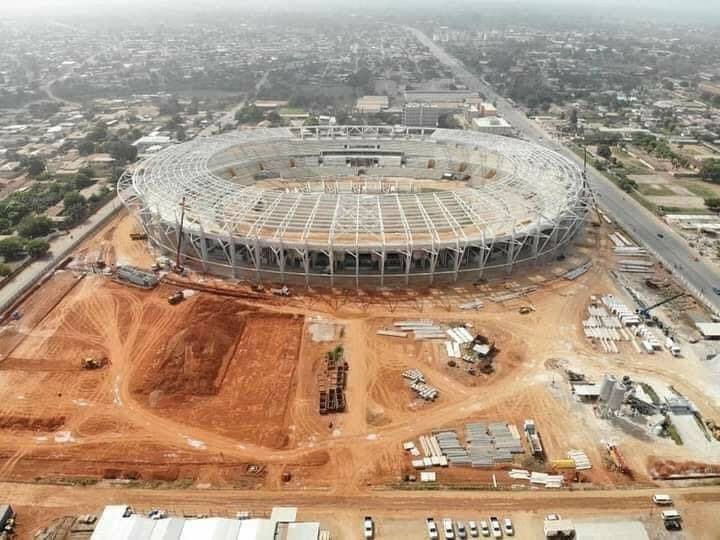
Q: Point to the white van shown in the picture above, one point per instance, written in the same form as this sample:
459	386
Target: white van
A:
661	499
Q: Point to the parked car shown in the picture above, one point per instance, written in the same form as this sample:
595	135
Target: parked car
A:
484	528
461	531
369	528
448	529
473	529
508	527
495	527
661	499
431	529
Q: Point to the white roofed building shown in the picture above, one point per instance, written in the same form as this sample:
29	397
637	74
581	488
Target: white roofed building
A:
118	522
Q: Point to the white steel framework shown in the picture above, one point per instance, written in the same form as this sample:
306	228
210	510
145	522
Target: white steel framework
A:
358	205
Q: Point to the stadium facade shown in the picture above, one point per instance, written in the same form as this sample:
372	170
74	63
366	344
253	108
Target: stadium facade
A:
357	206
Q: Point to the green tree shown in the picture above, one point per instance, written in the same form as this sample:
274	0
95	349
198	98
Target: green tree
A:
604	151
37	248
35	166
99	133
5	270
12	248
710	170
249	114
86	147
75	207
34	226
122	152
713	203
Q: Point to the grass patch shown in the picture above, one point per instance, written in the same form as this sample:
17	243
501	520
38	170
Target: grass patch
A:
651	190
700	190
702	426
673	433
650	391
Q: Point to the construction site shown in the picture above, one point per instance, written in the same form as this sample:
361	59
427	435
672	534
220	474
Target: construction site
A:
119	372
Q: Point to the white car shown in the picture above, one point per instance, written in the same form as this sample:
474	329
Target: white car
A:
369	528
662	500
449	529
431	529
484	528
461	531
508	527
495	527
473	529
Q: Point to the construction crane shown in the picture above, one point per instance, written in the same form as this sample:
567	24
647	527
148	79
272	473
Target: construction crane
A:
646	311
178	267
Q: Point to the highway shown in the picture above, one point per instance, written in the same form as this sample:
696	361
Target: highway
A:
645	227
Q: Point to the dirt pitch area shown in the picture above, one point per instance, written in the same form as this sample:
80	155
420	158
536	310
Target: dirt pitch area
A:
221	390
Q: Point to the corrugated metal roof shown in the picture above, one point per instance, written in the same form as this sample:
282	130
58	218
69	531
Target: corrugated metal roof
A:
112	525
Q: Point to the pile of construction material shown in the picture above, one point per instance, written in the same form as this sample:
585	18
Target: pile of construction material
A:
450	447
522	291
432	453
577	272
605	327
332	382
492	444
537	478
422	329
582	462
417	383
472	305
459	338
410	447
627	316
648	340
626	248
533	438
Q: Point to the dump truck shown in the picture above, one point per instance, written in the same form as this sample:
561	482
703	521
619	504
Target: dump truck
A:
176	298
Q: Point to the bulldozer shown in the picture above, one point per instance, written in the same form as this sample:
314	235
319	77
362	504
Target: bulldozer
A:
93	363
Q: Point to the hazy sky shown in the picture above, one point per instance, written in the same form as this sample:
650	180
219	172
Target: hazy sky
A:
75	7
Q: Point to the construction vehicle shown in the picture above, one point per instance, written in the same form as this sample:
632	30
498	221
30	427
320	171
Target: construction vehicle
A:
526	310
176	298
282	291
617	458
645	312
93	363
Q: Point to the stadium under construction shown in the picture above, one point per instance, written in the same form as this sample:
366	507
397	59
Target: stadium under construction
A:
358	206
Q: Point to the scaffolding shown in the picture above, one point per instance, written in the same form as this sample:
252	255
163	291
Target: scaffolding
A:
343	227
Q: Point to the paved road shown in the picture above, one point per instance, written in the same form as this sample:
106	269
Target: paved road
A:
58	249
644	226
229	117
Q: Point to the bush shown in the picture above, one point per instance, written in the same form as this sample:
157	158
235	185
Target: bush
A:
37	248
5	270
604	151
713	203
